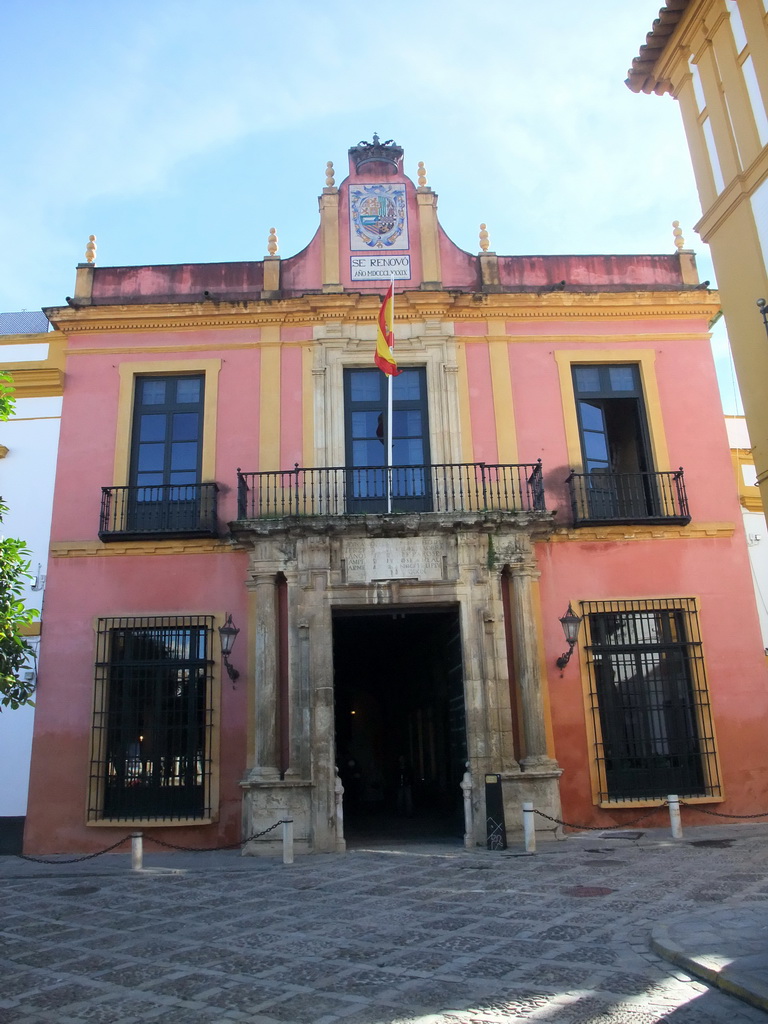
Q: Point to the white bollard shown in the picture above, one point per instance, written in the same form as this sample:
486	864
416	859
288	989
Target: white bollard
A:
338	792
137	851
674	816
288	841
466	789
529	827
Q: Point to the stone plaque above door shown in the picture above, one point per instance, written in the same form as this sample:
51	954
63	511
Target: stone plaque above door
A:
394	558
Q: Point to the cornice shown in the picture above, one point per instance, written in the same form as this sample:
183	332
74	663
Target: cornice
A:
97	549
538	526
35	381
739	189
318	309
36	378
405	344
752	503
599	534
41	338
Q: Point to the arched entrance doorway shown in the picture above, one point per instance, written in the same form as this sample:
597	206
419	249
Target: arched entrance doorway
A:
400	724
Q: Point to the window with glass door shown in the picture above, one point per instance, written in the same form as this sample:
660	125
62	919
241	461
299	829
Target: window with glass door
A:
166	454
618	478
369	482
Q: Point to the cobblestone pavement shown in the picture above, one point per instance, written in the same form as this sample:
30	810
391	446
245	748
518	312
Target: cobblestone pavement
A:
403	936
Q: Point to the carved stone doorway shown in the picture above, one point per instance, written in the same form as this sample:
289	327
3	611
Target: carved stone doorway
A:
400	723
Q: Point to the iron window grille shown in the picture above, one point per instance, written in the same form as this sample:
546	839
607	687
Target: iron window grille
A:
152	719
650	711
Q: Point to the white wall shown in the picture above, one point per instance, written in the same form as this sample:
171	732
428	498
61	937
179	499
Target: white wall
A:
26	485
754	525
757	541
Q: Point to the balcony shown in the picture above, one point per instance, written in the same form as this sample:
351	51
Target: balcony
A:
363	490
601	497
170	510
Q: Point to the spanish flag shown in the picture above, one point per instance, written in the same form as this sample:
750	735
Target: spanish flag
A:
385	338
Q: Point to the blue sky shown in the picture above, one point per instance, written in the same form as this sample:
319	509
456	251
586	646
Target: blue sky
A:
183	131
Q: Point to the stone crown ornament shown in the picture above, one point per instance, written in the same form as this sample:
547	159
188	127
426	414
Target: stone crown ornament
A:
376	152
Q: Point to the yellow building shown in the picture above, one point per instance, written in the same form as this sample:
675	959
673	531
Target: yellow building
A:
712	56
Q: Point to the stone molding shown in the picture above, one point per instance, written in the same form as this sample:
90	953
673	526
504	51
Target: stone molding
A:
411	305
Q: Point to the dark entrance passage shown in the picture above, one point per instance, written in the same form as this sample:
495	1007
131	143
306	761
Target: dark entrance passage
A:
400	724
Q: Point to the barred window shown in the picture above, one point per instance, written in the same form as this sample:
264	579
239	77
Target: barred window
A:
152	724
651	716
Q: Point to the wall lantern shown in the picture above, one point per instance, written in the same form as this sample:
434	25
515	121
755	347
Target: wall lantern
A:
228	634
571	623
762	305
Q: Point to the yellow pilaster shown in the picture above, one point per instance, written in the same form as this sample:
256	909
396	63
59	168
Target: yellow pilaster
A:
308	406
329	239
465	420
702	168
735	88
429	238
502	401
271	276
727	154
688	269
269	399
489	271
84	283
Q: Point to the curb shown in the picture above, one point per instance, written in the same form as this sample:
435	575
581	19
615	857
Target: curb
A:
729	974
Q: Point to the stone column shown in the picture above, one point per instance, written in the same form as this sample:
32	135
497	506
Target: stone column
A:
301	667
265	767
527	668
500	740
317	614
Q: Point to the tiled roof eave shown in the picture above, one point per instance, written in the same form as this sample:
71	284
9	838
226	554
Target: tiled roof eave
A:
640	76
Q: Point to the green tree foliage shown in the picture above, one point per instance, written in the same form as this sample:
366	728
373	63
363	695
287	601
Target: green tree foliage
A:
14	572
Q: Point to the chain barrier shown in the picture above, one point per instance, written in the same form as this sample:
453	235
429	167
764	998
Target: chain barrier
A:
73	860
718	814
153	839
644	817
602	828
214	849
258	835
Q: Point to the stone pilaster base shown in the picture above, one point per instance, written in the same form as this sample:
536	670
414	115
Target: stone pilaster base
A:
264	803
541	787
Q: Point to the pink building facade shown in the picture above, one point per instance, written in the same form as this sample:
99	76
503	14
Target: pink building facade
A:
557	441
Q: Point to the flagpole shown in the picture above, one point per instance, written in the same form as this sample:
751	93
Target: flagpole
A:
389	408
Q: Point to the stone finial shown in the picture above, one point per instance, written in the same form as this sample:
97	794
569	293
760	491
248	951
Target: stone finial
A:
485	242
330	181
272	242
90	249
422	174
677	232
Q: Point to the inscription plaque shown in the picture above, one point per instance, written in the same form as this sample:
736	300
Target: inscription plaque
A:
394	558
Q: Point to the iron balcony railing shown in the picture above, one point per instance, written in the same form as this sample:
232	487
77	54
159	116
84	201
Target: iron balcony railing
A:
603	497
361	490
169	510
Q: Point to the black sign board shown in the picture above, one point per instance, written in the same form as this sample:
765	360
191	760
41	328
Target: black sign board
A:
495	828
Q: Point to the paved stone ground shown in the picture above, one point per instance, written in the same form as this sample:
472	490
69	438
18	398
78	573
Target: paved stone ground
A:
430	935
